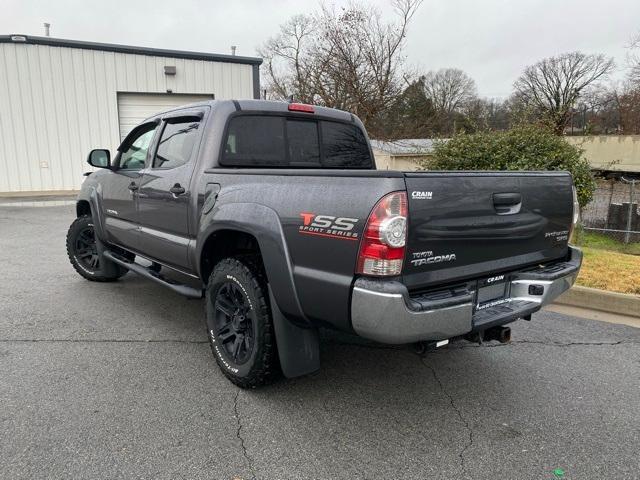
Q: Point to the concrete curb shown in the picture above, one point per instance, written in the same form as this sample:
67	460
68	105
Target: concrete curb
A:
592	298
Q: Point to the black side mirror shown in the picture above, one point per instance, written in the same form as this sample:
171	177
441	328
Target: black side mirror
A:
99	158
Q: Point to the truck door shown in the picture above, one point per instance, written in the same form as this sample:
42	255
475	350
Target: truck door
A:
165	191
120	187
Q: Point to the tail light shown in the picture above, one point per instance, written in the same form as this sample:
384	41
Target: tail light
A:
385	235
576	213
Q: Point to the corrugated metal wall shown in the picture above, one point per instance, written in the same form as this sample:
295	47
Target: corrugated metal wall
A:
58	103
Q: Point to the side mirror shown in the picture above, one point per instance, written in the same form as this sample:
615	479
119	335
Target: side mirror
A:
99	158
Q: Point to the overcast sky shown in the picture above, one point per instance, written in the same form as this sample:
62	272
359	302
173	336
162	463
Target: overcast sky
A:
492	40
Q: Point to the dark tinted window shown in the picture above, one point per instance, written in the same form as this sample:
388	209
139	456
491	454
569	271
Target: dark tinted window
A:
177	144
344	146
259	141
304	146
255	141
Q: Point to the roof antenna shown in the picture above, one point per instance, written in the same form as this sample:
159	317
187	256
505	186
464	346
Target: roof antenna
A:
291	100
47	26
233	50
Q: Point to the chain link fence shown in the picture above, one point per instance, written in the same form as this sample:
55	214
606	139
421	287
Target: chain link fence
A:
614	210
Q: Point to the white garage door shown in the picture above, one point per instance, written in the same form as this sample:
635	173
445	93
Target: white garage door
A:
133	108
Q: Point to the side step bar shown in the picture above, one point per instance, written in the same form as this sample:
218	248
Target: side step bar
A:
153	275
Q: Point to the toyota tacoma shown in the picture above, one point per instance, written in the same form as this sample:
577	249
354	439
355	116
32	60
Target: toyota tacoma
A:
275	213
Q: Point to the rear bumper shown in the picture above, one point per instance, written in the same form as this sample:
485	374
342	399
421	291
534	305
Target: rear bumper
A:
385	312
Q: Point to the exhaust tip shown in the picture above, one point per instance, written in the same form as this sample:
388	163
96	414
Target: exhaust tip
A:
500	334
505	335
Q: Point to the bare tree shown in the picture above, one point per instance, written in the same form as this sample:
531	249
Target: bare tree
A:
451	92
347	58
629	107
551	87
634	59
481	114
287	60
449	89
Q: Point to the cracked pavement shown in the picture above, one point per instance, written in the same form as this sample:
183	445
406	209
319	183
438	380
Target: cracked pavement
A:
117	381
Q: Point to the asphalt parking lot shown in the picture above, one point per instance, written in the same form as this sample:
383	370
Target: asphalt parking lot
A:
117	381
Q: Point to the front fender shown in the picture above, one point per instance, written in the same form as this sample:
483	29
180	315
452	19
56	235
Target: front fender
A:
264	224
93	194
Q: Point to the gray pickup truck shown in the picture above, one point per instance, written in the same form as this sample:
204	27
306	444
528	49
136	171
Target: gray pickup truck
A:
276	215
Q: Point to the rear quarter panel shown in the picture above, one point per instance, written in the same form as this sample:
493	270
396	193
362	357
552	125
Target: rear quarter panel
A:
323	259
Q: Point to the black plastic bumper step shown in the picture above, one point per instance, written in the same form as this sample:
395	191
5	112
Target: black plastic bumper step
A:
503	313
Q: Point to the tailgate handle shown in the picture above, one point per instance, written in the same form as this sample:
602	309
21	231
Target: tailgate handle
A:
507	203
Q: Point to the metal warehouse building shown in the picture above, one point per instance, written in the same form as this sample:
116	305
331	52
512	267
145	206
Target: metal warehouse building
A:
61	98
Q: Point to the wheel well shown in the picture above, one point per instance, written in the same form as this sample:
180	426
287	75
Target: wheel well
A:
223	244
83	208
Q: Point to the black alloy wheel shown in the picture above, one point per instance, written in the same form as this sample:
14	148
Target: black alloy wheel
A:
239	321
234	322
86	257
86	250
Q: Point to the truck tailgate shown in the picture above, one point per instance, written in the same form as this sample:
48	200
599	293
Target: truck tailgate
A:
465	225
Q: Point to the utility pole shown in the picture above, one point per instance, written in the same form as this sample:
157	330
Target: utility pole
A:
632	187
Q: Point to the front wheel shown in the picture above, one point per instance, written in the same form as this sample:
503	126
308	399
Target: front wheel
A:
84	255
239	323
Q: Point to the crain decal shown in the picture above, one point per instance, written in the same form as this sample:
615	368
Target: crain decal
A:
328	226
417	195
495	279
428	258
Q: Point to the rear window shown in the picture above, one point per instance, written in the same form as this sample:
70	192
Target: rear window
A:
344	146
255	142
278	141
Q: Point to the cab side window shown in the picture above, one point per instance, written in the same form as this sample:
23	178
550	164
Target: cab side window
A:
135	156
177	144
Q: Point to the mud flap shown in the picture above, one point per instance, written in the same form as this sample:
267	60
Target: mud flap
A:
110	269
298	348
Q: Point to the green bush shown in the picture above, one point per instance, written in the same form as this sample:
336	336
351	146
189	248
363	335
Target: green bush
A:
521	148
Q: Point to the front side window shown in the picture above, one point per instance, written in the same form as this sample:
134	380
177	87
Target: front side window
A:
177	144
135	156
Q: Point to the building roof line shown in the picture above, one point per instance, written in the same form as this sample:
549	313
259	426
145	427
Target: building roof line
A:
112	47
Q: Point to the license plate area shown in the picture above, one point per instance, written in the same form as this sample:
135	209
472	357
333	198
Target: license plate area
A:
491	290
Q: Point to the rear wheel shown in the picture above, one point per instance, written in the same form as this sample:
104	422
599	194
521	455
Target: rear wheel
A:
239	323
84	255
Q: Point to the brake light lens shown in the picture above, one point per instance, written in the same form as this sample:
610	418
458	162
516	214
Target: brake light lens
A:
301	107
576	214
385	235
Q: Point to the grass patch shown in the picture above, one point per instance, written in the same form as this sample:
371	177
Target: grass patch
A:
609	270
603	242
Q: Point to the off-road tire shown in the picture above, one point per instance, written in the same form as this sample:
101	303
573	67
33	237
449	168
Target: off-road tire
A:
246	277
104	270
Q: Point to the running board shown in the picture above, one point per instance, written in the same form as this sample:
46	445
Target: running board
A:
155	276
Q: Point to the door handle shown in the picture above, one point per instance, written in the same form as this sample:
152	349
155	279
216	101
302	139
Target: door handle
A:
133	186
507	203
177	189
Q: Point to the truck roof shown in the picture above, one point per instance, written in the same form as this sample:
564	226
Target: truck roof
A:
267	106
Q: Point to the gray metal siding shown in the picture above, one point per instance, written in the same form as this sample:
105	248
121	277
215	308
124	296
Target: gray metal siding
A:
133	108
57	103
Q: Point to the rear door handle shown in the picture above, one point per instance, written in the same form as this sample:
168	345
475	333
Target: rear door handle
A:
506	198
177	189
507	203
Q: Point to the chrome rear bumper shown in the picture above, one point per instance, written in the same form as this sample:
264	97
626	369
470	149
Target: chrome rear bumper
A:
384	311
